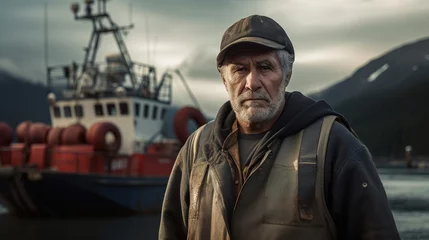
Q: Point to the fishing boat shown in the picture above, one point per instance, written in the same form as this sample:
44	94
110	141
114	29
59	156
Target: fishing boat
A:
113	138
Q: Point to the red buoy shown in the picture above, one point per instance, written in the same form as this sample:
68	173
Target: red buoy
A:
182	118
38	133
54	136
99	134
22	131
6	134
74	134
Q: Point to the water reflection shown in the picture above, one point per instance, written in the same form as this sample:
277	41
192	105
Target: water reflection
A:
82	229
408	193
407	190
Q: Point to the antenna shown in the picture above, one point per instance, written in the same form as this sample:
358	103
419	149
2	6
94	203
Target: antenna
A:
154	48
46	38
188	89
130	5
147	38
98	29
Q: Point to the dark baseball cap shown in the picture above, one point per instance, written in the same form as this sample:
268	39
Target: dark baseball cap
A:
255	29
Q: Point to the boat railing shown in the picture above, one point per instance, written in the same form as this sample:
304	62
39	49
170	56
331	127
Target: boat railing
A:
91	79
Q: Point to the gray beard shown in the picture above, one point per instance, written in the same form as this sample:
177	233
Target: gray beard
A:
253	115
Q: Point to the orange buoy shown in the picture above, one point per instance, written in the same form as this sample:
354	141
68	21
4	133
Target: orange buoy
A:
38	133
182	118
105	136
6	134
22	131
54	136
74	134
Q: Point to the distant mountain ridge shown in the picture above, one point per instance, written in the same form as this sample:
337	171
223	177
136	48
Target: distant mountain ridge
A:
386	101
21	100
403	65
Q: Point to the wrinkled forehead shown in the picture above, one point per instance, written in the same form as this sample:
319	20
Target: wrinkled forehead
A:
250	52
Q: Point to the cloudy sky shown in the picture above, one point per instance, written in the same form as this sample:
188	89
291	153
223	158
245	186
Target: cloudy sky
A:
332	37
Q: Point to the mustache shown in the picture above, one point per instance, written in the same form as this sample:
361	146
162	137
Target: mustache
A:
260	94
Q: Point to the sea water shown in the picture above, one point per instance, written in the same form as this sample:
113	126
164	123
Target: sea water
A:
407	190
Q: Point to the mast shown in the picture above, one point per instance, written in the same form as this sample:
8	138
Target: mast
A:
99	27
45	36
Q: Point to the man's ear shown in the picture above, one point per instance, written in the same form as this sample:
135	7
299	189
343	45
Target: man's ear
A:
288	77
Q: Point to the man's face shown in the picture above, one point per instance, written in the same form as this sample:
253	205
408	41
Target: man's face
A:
254	81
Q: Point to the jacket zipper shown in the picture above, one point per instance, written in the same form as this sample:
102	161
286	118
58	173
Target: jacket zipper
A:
240	176
250	175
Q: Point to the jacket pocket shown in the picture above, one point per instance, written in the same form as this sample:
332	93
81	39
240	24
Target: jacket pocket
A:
280	197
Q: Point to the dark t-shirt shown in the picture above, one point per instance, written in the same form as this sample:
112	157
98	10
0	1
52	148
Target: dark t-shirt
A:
246	143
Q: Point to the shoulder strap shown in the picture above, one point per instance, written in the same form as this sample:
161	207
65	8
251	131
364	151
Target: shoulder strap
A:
324	135
321	153
196	140
312	155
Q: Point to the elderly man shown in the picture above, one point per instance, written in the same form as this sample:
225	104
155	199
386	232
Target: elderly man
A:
273	164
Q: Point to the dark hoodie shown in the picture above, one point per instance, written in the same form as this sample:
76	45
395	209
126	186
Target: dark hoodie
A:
358	212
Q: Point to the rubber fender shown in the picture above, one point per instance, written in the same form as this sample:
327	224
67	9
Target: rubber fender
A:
74	134
54	136
38	133
182	118
97	134
6	134
22	131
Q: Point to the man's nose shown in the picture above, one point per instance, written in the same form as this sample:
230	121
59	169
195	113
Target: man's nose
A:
253	81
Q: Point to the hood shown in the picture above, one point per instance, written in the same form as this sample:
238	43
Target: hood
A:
299	112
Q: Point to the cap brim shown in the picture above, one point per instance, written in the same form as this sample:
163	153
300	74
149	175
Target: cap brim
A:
265	42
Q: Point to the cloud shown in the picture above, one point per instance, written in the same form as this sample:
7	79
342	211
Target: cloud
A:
209	94
308	15
10	67
201	64
332	38
165	31
309	78
347	56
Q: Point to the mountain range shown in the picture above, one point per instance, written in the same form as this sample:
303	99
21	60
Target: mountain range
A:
21	99
386	100
405	65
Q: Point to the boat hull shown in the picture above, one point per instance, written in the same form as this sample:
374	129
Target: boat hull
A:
27	192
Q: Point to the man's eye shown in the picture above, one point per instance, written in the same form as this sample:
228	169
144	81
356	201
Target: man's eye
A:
239	69
265	67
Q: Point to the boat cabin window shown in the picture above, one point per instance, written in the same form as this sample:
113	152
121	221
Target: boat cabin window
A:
67	111
137	109
111	109
163	113
57	111
98	109
154	112
78	110
146	111
123	108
